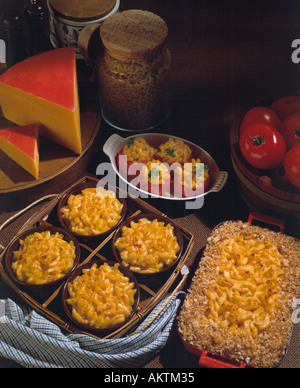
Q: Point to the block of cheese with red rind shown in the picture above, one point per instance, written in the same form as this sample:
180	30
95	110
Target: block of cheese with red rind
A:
43	89
21	145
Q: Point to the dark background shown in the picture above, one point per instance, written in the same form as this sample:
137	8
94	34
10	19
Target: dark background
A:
227	55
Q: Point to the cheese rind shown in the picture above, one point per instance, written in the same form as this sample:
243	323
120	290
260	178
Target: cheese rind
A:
21	145
43	89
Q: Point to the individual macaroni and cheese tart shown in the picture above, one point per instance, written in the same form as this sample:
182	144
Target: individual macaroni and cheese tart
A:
191	179
92	212
100	296
43	257
146	245
242	298
155	177
174	151
136	151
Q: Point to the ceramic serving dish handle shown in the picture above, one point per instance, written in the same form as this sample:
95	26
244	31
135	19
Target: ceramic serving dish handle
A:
89	43
111	145
221	182
209	361
267	220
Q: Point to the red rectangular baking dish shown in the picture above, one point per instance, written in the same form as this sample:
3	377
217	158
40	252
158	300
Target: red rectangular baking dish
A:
211	360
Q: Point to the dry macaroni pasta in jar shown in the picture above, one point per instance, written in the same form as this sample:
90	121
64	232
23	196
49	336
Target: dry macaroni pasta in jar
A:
134	71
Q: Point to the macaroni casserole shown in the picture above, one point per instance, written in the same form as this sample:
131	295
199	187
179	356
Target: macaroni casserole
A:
102	297
93	212
147	246
240	304
43	258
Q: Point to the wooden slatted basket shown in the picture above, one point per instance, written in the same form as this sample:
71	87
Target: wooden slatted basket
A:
153	290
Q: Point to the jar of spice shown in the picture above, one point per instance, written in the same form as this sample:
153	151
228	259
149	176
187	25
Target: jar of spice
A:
134	71
69	18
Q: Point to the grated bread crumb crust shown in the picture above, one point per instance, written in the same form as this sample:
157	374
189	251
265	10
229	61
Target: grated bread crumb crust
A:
199	329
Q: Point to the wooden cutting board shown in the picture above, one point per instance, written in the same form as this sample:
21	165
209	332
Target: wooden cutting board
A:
58	166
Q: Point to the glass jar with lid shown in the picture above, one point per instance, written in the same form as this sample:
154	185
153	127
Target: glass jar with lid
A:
134	71
69	18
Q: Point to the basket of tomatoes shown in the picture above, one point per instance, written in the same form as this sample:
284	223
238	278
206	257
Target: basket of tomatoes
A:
265	153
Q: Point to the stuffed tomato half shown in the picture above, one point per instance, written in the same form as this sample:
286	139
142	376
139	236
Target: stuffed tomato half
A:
155	178
137	151
191	179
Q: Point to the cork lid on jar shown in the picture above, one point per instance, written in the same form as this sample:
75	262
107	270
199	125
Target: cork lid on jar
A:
86	10
134	34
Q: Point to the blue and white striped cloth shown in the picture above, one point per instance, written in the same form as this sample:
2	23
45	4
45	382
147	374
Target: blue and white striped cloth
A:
34	342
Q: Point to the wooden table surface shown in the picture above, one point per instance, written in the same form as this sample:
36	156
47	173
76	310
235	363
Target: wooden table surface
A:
226	54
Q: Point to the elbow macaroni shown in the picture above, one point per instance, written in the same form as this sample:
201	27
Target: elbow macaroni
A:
155	172
247	293
138	150
43	258
193	175
147	246
240	302
174	151
93	212
101	297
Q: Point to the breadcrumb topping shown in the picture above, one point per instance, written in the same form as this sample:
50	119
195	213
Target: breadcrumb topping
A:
203	330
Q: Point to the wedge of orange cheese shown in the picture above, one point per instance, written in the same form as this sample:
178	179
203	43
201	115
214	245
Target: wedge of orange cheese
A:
43	89
21	145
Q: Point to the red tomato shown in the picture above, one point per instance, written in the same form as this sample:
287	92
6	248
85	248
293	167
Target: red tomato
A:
123	164
292	165
129	170
291	130
286	106
260	114
262	146
280	179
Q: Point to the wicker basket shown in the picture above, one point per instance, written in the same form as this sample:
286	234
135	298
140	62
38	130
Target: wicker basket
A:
258	188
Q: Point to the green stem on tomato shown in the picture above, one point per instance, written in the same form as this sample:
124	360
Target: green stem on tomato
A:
257	140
